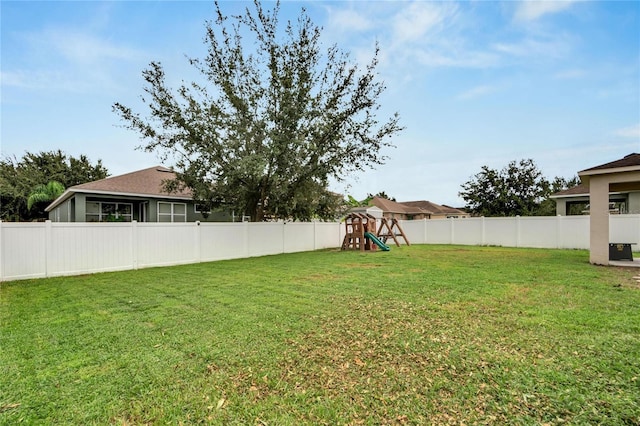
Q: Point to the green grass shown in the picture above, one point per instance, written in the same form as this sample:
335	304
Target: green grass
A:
417	335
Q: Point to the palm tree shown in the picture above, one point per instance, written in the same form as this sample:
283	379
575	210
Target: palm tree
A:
48	192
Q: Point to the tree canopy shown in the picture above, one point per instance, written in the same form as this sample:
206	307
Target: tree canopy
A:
21	177
519	189
274	118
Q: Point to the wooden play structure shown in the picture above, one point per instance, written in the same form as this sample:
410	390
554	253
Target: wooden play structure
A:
393	231
363	232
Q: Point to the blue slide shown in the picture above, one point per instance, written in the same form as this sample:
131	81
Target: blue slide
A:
377	242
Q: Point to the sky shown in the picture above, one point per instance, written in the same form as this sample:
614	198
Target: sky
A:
476	83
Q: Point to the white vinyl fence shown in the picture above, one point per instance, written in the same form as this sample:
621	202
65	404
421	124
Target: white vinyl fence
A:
36	250
565	232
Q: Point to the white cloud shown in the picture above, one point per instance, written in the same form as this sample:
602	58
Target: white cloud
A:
530	10
348	20
629	132
570	74
42	80
476	92
70	61
556	46
80	47
420	18
432	34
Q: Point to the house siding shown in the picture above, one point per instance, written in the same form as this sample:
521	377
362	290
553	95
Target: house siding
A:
143	210
81	207
634	202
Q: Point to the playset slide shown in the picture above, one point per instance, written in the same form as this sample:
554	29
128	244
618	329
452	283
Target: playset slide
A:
377	242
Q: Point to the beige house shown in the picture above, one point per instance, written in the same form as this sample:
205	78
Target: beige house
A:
575	201
437	211
617	177
416	210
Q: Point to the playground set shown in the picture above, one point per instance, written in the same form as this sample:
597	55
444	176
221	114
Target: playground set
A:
363	232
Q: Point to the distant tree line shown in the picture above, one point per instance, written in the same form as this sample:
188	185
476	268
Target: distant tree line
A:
27	184
518	189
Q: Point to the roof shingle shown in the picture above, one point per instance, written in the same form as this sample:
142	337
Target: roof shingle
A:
433	208
142	182
628	161
413	207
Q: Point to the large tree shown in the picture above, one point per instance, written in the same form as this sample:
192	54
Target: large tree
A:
20	177
274	118
547	206
518	189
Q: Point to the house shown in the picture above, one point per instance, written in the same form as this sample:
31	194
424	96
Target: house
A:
416	210
437	211
620	176
136	196
624	197
393	210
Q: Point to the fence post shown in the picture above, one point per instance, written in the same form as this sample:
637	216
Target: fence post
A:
284	236
198	242
558	231
424	230
452	231
245	227
518	231
134	244
315	235
48	248
1	258
483	232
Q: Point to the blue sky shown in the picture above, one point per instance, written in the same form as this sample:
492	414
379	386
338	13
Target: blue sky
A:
475	83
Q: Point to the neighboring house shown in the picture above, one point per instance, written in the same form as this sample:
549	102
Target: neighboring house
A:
623	197
437	211
416	210
136	196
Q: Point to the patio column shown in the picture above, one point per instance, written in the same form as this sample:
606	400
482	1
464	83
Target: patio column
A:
561	207
599	220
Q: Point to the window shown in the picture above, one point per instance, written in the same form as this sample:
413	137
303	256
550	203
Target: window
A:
97	211
201	208
172	212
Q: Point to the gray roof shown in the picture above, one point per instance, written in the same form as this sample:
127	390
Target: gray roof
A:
147	183
575	191
433	208
631	160
413	207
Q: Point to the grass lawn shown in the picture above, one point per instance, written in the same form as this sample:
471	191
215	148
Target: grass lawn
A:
418	335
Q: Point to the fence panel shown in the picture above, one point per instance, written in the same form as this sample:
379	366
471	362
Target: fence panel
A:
468	231
438	232
539	232
298	236
265	239
160	244
23	248
328	235
414	230
81	248
220	241
501	231
573	232
625	229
